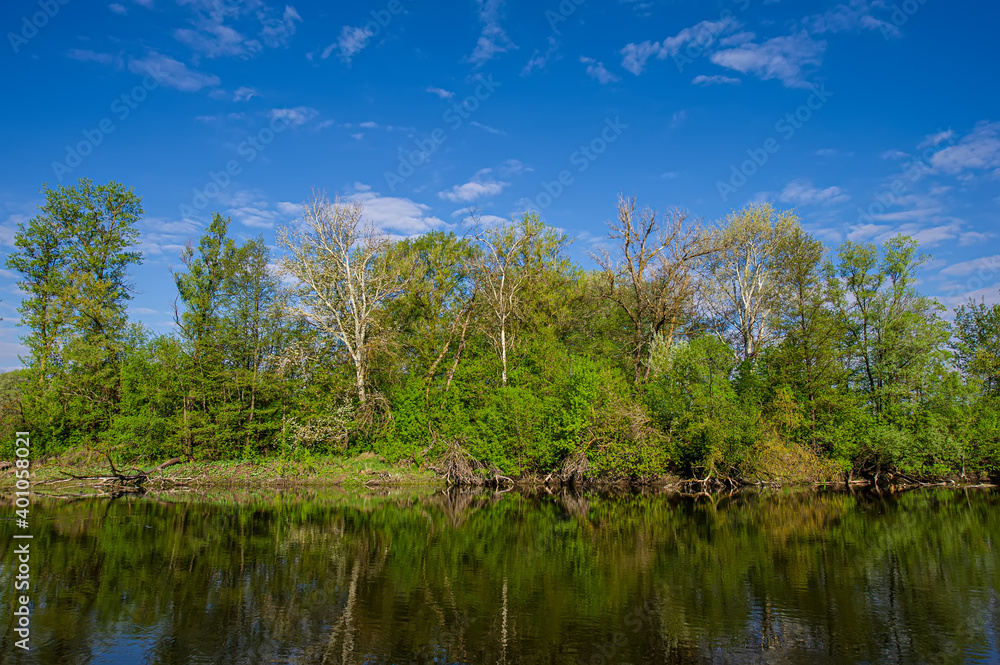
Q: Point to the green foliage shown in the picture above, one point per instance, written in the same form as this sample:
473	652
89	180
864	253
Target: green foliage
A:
73	260
778	358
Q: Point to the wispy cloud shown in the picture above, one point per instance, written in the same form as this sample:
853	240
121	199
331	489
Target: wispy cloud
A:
213	34
84	55
985	264
717	79
297	116
172	73
278	31
493	39
244	94
213	39
597	71
978	150
802	192
635	55
486	128
352	41
783	58
440	92
539	60
854	16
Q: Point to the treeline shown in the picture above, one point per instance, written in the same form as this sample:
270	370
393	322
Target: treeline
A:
744	350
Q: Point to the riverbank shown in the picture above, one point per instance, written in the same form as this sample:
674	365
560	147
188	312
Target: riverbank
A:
80	471
89	469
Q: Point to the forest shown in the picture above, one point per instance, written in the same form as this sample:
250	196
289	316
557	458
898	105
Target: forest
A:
743	350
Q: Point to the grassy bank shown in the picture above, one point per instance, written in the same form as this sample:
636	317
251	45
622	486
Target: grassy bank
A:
86	471
85	468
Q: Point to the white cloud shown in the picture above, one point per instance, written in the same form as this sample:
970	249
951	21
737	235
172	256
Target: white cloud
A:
297	116
213	39
912	215
244	94
975	238
978	150
895	154
717	79
171	72
936	138
351	42
511	167
832	152
493	39
485	128
85	55
288	209
441	92
802	192
483	184
539	60
117	8
926	236
782	58
960	295
984	265
278	31
396	215
635	55
852	17
596	70
159	237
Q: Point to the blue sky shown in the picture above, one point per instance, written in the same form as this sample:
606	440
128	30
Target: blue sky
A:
869	118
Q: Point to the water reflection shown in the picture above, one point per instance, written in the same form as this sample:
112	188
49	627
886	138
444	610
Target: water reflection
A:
506	578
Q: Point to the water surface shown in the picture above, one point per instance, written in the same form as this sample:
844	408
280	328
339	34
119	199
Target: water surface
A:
788	577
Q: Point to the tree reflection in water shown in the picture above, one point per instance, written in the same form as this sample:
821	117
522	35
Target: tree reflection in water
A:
511	578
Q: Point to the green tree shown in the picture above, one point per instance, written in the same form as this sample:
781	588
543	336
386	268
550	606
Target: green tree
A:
808	360
73	259
977	344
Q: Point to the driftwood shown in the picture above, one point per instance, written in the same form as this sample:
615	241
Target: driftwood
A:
122	482
460	468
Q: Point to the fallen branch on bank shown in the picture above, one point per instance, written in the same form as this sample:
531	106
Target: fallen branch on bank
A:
119	481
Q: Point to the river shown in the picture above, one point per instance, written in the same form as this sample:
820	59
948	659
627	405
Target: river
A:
425	576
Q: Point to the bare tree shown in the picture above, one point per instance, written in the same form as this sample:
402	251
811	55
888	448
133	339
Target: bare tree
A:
512	254
650	275
743	281
345	274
